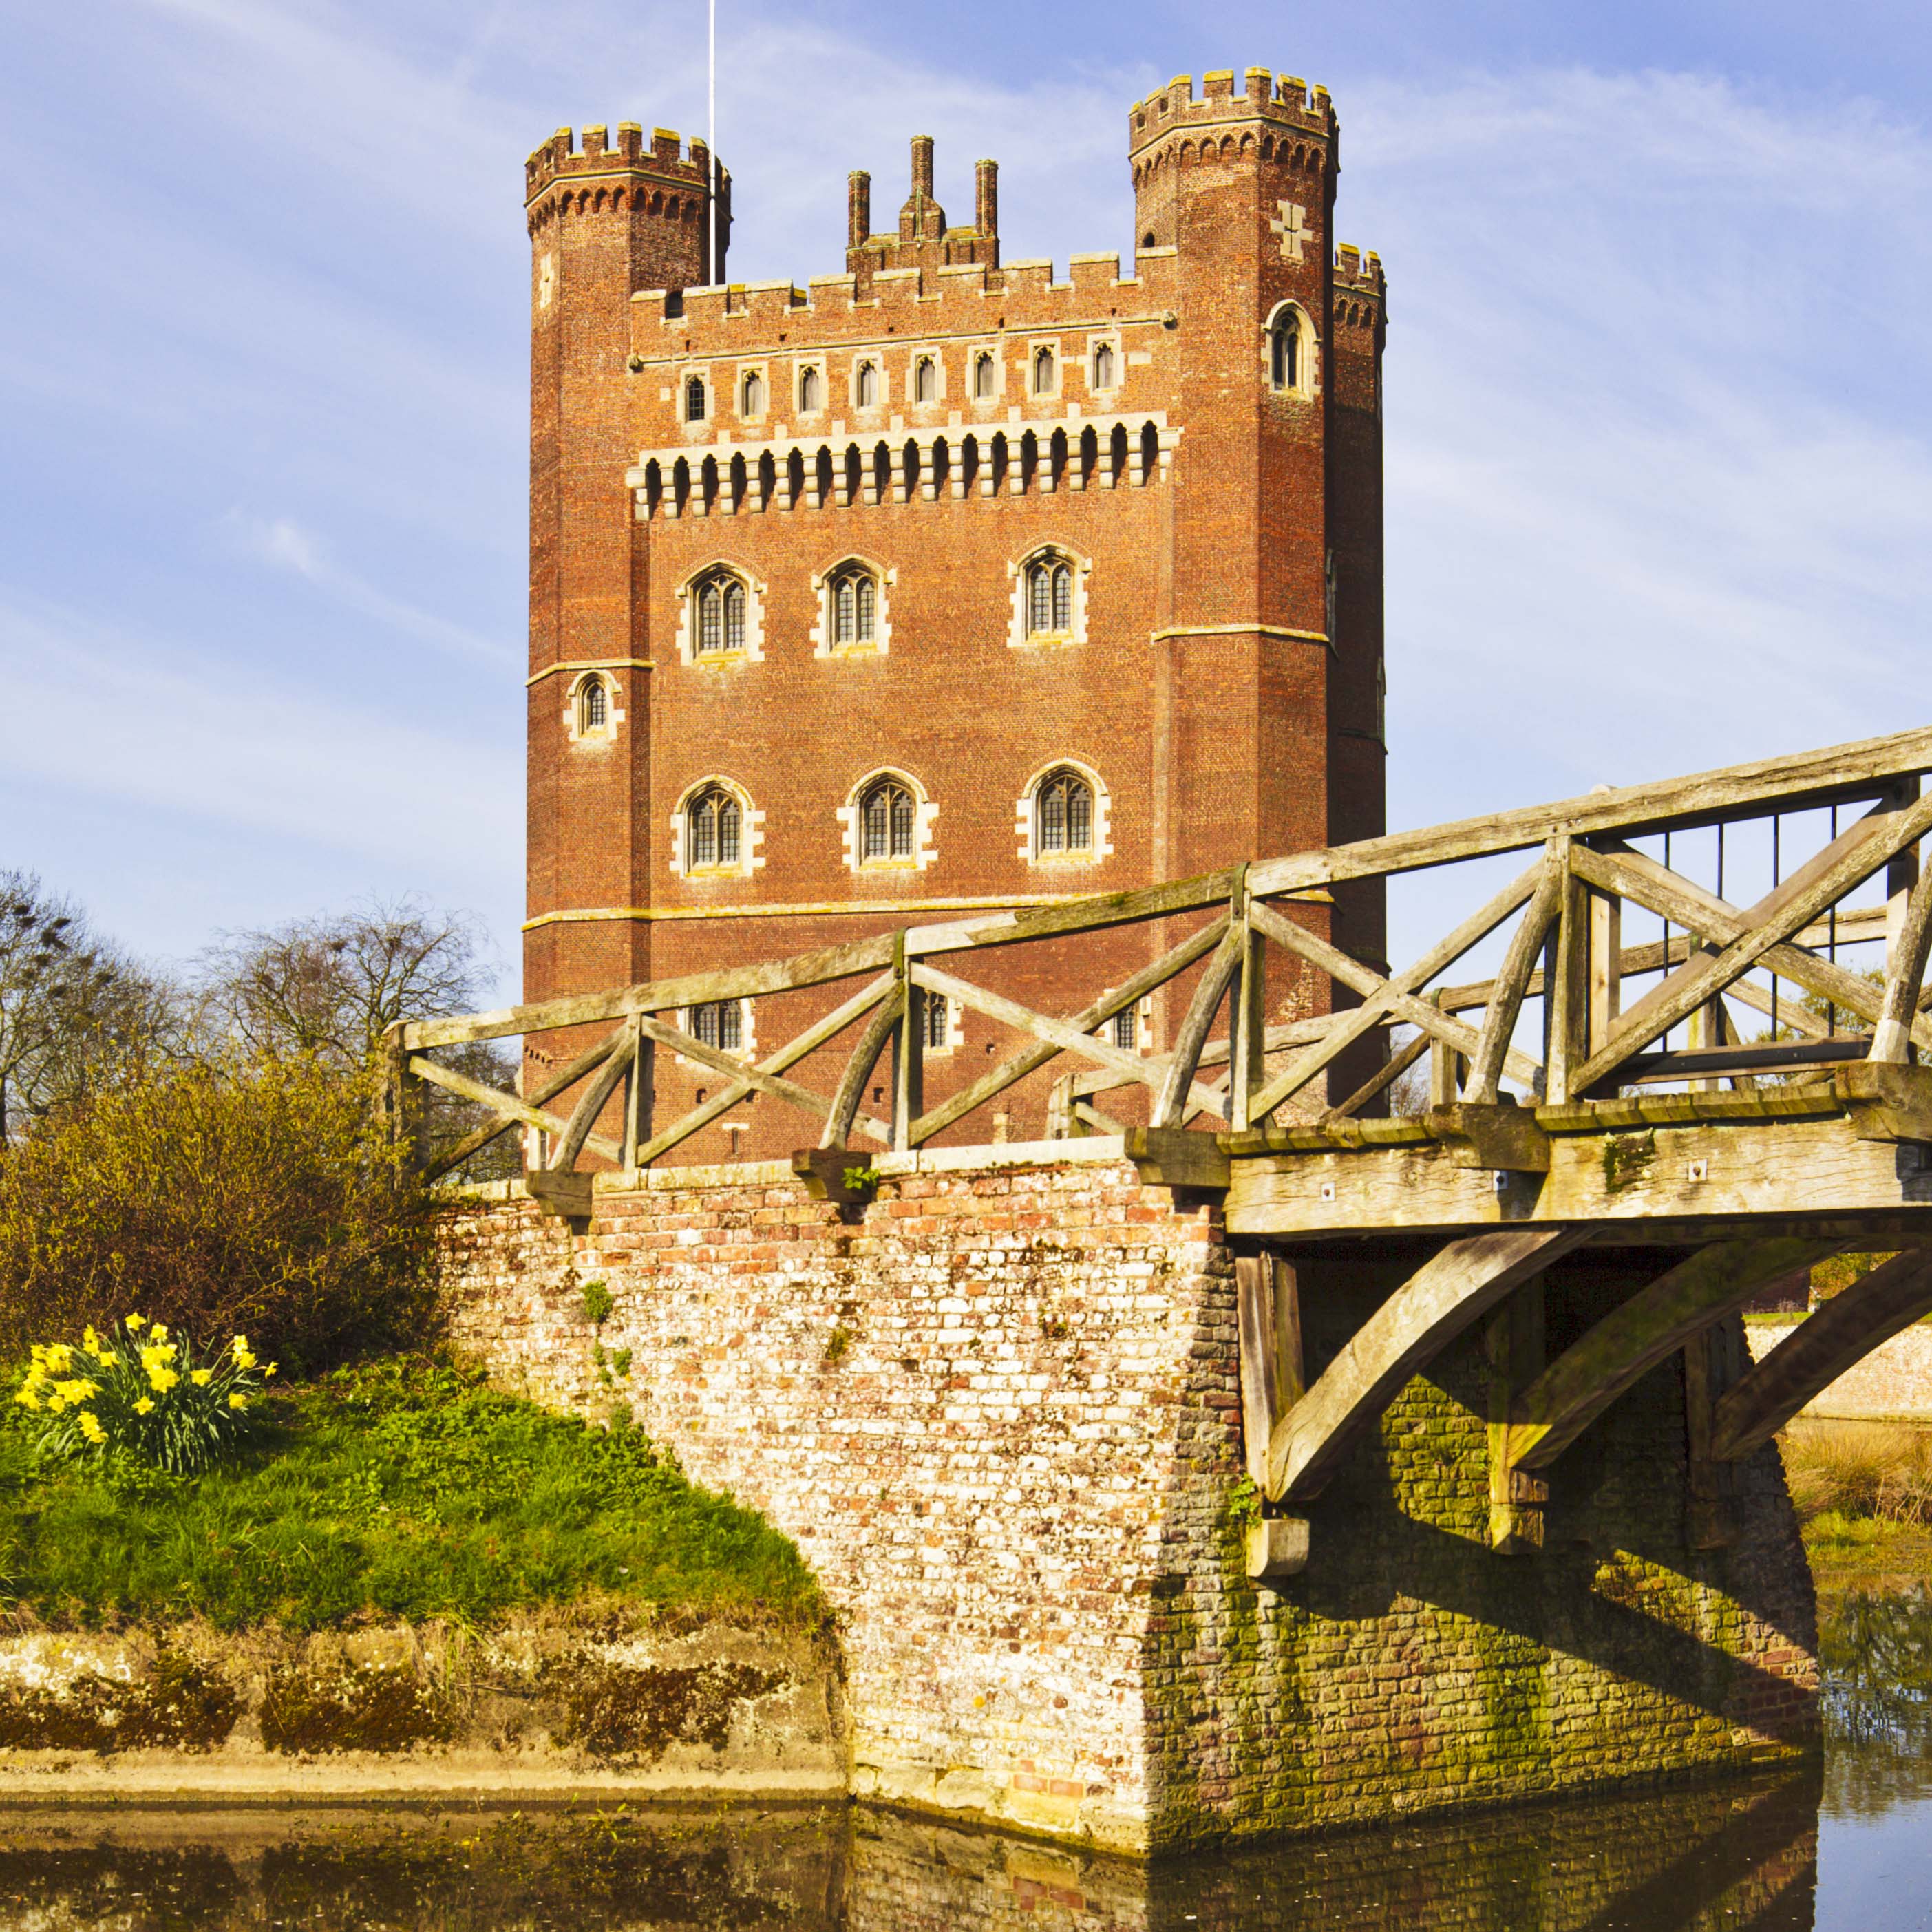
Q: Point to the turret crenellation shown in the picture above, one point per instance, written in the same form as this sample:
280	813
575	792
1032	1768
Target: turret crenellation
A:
1287	102
665	159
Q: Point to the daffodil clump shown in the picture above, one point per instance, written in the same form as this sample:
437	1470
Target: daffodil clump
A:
140	1393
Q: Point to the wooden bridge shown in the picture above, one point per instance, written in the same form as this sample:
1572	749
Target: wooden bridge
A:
1712	1111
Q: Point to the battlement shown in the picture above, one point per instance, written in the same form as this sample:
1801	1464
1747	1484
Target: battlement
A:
1359	273
665	158
1282	100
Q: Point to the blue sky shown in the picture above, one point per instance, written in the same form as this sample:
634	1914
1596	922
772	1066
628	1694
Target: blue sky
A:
1659	487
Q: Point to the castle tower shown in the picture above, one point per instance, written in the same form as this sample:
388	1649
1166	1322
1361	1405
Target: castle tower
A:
604	223
945	584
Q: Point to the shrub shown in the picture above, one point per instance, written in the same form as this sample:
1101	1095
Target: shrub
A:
255	1194
140	1397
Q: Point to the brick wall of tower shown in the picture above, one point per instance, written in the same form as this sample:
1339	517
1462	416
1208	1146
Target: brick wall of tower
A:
1205	695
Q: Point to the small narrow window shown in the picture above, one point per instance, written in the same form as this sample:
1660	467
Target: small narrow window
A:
885	823
854	607
938	1020
1124	1030
924	381
1043	372
1285	352
751	401
1064	815
592	709
693	399
1103	366
983	376
1049	594
720	1025
868	394
713	823
810	387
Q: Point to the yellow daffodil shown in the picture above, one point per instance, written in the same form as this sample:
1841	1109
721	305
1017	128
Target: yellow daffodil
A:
39	1350
55	1403
91	1429
146	1406
59	1358
28	1399
201	1377
158	1332
133	1323
238	1402
268	1371
161	1380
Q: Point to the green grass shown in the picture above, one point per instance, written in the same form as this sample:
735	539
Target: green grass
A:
401	1489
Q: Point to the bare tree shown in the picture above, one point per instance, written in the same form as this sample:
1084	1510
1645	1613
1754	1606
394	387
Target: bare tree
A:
74	1011
329	987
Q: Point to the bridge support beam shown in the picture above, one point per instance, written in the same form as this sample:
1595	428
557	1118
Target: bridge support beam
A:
1515	1348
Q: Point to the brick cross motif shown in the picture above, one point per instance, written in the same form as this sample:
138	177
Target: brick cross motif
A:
1291	224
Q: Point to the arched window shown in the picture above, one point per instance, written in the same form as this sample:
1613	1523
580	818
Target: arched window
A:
1284	351
867	394
924	381
1147	240
720	614
810	386
1049	595
1042	371
885	816
855	607
1103	365
983	376
1063	814
713	822
1123	1031
693	399
938	1021
751	396
720	1025
593	708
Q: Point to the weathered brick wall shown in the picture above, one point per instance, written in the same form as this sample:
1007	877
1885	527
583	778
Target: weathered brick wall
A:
1895	1379
999	1414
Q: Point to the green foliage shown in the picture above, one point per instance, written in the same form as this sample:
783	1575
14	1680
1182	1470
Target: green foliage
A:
836	1343
1244	1504
248	1194
597	1303
861	1180
139	1397
404	1488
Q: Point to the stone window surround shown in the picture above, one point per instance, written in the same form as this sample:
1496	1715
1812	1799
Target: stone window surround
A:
746	1050
821	631
1019	637
924	813
1111	338
1035	343
1026	821
955	1028
573	709
1142	1010
938	361
695	372
1310	387
753	650
973	352
751	833
880	374
764	376
798	374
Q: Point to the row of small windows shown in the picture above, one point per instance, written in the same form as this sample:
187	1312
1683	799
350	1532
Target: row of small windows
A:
887	818
1103	364
1287	359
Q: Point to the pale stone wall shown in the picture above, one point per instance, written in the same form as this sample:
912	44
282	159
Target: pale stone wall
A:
997	1410
1895	1379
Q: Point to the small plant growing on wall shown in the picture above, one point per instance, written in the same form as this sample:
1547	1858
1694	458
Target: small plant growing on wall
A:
597	1303
612	1364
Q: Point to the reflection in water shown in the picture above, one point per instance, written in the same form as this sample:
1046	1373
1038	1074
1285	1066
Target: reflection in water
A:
1729	1856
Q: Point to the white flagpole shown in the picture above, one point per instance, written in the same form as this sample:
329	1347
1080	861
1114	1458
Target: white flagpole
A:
717	267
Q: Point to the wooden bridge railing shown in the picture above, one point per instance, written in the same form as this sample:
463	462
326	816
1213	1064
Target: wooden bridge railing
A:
1565	949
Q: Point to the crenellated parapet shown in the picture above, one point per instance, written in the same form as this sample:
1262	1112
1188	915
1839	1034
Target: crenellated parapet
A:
1297	126
662	178
1361	289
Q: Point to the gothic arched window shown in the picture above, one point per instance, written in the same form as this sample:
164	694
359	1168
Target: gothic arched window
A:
693	399
855	606
1042	371
886	815
1103	365
983	377
924	381
938	1021
811	388
751	394
1063	814
866	392
720	614
713	825
1284	351
1049	597
593	709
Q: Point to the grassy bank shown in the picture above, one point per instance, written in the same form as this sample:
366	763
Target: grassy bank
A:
404	1488
1863	1492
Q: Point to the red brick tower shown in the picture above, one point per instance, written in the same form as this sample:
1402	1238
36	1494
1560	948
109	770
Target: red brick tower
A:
839	595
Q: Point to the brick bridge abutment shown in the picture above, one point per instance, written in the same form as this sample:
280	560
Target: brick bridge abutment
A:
998	1410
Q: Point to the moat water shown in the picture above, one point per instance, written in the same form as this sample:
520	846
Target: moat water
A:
1845	1849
